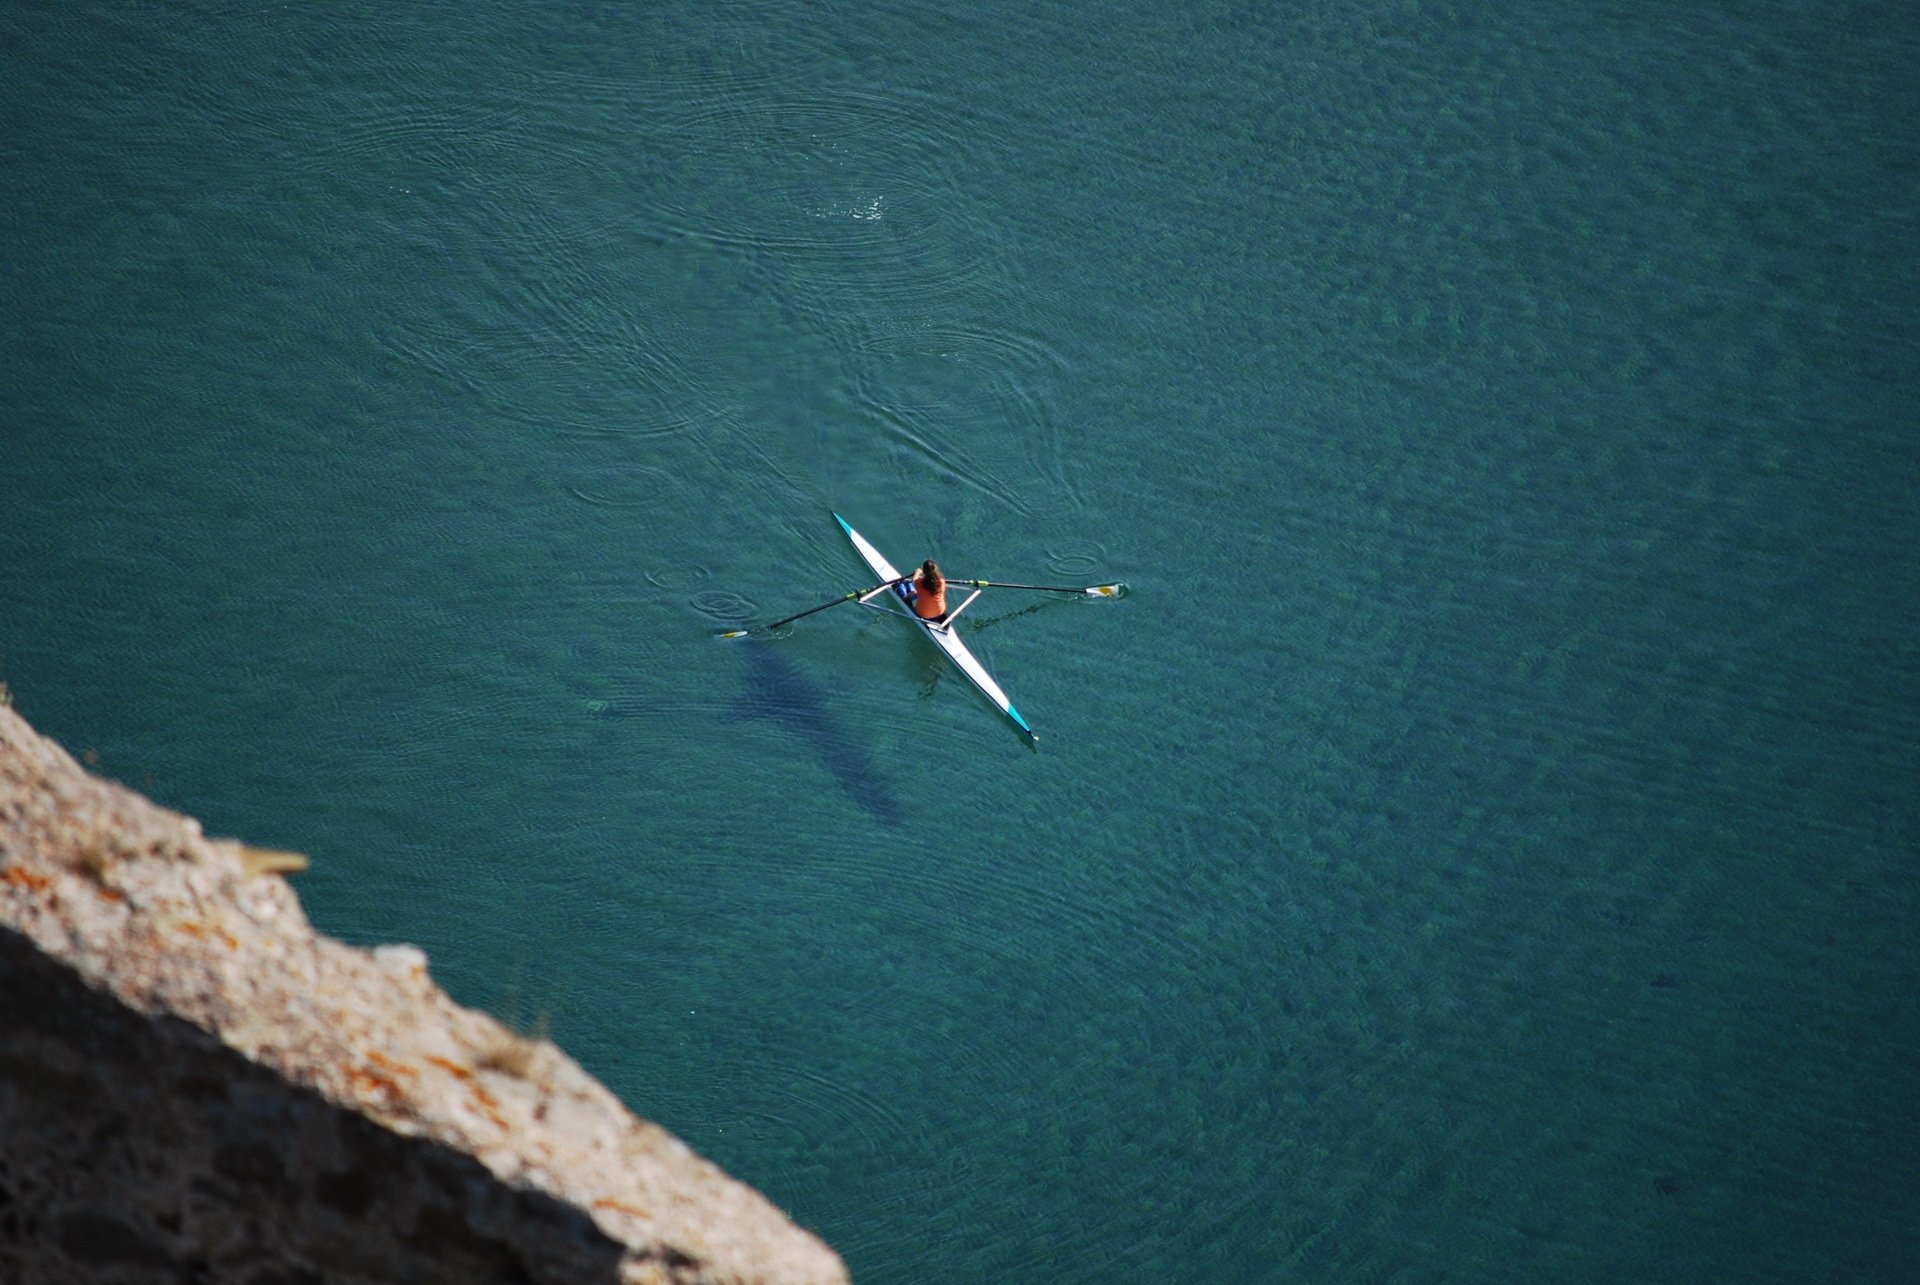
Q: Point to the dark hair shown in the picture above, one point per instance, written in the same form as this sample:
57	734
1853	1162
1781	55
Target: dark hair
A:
931	577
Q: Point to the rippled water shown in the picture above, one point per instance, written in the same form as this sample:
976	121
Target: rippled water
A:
1479	846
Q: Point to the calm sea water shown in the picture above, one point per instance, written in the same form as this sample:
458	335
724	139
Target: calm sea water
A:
1481	845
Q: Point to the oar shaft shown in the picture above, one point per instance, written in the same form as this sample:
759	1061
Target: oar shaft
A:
1098	590
801	615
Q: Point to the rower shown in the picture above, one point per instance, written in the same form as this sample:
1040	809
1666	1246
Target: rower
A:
930	593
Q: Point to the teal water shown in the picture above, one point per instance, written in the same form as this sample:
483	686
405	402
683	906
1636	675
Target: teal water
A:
1481	845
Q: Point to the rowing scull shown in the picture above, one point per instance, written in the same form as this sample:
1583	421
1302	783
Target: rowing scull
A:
943	636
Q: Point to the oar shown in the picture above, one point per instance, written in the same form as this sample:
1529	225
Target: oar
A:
1092	591
856	594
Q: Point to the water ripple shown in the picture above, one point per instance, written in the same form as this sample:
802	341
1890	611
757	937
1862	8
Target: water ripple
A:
1079	564
724	606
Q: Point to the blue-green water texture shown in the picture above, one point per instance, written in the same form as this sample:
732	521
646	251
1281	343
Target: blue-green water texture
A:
1480	846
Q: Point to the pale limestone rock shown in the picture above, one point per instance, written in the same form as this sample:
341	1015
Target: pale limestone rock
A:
195	1085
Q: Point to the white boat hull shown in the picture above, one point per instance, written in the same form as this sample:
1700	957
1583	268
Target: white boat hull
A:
944	638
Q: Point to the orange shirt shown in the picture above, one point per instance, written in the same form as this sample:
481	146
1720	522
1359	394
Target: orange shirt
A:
928	606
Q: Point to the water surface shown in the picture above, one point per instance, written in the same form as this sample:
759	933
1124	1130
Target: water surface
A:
1479	847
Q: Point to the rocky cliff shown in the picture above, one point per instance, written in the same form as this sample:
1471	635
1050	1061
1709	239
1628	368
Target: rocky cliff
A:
196	1086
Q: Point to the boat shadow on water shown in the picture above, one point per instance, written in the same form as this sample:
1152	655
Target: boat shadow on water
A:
777	692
